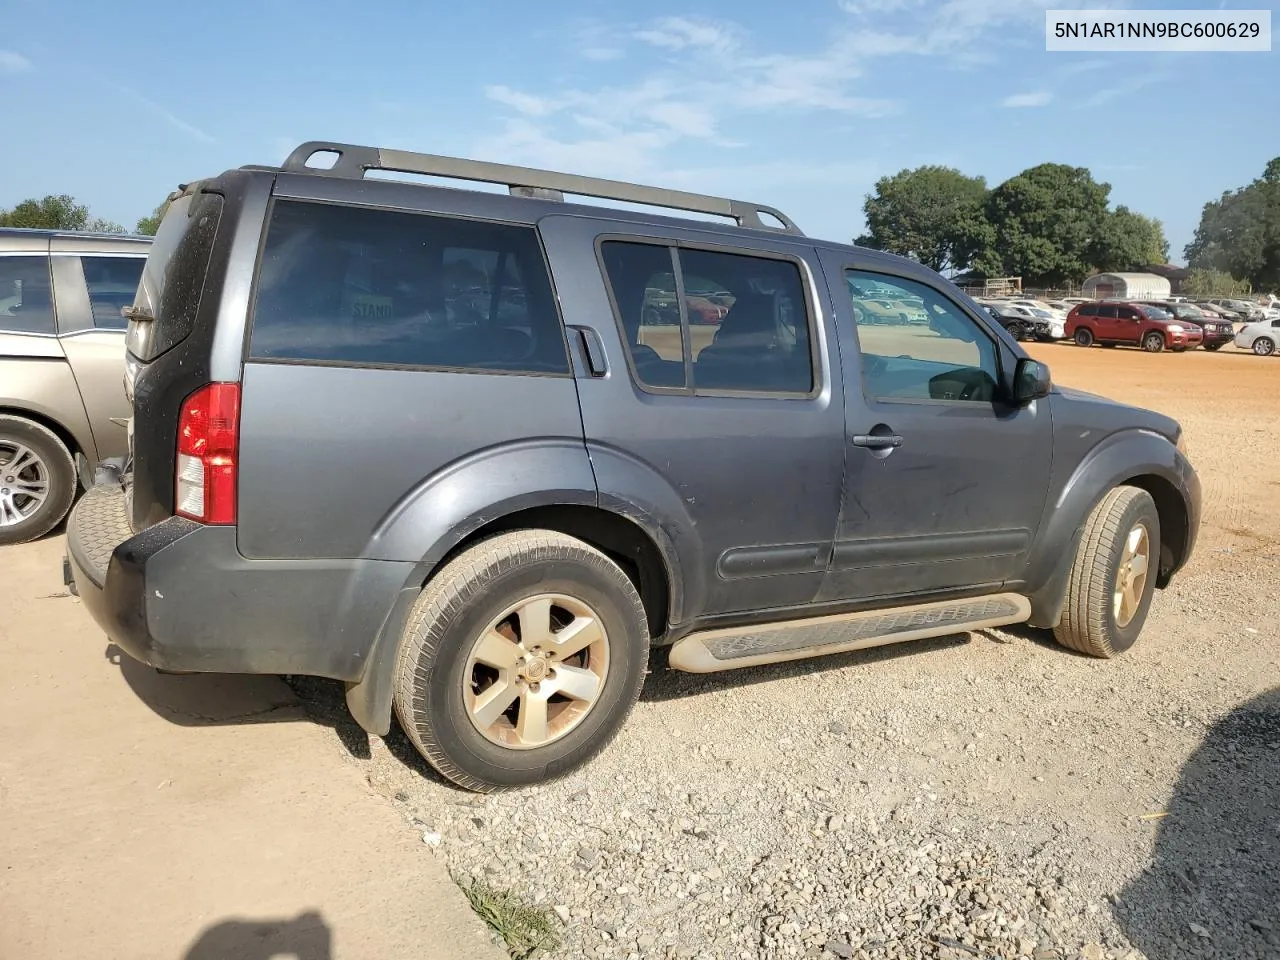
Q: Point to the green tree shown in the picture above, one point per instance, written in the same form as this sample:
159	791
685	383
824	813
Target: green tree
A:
932	214
1239	233
1130	241
52	213
101	225
148	225
1201	282
1048	224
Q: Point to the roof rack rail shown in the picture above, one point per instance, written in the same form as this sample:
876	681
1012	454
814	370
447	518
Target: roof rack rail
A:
354	161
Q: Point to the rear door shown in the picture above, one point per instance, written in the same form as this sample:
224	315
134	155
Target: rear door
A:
734	414
945	482
386	346
90	290
1108	327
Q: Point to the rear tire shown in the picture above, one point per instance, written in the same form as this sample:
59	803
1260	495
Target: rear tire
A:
37	480
1264	346
1153	342
1083	337
488	724
1105	607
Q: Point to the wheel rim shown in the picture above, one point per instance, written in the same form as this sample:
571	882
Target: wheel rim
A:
1084	338
1263	347
536	671
1131	577
1154	343
24	482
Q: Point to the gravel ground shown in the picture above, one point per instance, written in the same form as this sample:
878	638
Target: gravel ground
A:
989	795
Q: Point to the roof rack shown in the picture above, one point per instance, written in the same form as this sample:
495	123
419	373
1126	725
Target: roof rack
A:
353	161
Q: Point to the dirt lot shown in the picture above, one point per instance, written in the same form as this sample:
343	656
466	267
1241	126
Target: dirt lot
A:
988	795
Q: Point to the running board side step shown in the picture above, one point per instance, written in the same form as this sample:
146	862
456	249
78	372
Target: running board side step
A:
732	648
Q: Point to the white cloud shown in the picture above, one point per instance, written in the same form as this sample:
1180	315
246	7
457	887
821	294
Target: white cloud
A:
523	102
680	33
1125	88
12	62
1038	98
191	130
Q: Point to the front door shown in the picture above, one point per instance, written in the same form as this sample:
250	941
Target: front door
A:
1128	324
721	392
945	482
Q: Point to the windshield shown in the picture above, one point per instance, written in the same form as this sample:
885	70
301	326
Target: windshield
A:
1154	313
1185	311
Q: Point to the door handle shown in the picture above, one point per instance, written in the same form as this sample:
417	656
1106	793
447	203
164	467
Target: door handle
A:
877	441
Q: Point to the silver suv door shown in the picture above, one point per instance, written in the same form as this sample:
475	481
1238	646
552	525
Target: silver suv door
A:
946	483
715	407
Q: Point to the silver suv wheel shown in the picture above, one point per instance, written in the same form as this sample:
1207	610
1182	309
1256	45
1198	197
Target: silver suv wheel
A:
24	482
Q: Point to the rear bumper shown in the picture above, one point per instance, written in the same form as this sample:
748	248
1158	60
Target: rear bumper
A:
179	596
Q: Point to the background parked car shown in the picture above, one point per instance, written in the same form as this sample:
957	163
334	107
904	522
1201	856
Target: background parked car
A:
1216	333
1262	337
62	401
1115	322
1247	311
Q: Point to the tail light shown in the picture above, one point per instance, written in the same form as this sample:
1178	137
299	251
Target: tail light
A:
208	441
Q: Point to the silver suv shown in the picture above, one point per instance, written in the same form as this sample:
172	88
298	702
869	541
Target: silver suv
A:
62	401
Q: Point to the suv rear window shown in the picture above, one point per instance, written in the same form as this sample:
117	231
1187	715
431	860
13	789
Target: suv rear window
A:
378	287
26	300
174	275
112	283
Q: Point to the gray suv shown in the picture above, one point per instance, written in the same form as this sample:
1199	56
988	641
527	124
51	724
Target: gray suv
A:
62	395
443	445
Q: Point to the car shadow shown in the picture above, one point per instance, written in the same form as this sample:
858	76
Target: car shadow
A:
1212	888
304	937
228	699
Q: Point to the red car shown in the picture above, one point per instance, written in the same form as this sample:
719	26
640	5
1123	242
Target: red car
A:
1113	322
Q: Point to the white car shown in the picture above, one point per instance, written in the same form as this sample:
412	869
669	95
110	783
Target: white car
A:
1262	337
1056	312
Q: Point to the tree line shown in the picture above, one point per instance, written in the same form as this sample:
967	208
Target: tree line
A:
64	212
1053	225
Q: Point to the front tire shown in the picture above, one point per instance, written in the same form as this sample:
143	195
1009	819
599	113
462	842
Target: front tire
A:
1015	331
1113	575
1213	346
520	660
1153	343
37	480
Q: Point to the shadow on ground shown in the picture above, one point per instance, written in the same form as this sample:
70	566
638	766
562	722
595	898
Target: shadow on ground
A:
1212	889
224	699
304	937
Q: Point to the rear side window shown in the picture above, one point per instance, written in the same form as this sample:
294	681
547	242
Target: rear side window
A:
1108	313
742	324
364	286
174	275
1088	310
26	300
112	284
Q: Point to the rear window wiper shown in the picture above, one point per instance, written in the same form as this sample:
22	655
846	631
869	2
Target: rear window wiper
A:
136	313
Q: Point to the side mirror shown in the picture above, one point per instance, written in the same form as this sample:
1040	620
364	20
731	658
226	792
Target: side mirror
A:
1030	381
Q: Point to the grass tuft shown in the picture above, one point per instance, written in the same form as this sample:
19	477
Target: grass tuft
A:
525	929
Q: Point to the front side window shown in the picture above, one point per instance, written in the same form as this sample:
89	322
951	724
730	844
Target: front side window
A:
366	286
26	297
112	283
935	352
742	325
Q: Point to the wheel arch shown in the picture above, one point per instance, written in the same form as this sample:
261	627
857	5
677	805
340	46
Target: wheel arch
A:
50	423
1136	458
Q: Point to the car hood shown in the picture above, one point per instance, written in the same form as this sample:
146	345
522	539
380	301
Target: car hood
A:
1104	414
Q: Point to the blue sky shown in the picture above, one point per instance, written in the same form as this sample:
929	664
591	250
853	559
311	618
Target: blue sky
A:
801	105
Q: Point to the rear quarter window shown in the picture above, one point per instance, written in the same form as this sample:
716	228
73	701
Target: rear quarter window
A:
361	286
26	298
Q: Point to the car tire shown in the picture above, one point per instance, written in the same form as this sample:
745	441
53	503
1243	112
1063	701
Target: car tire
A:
1106	606
1015	331
32	458
1153	342
1264	346
1083	337
490	727
1213	346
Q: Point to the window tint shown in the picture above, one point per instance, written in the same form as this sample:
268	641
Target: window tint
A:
743	319
1107	312
112	283
933	351
358	285
1088	310
26	298
1127	313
